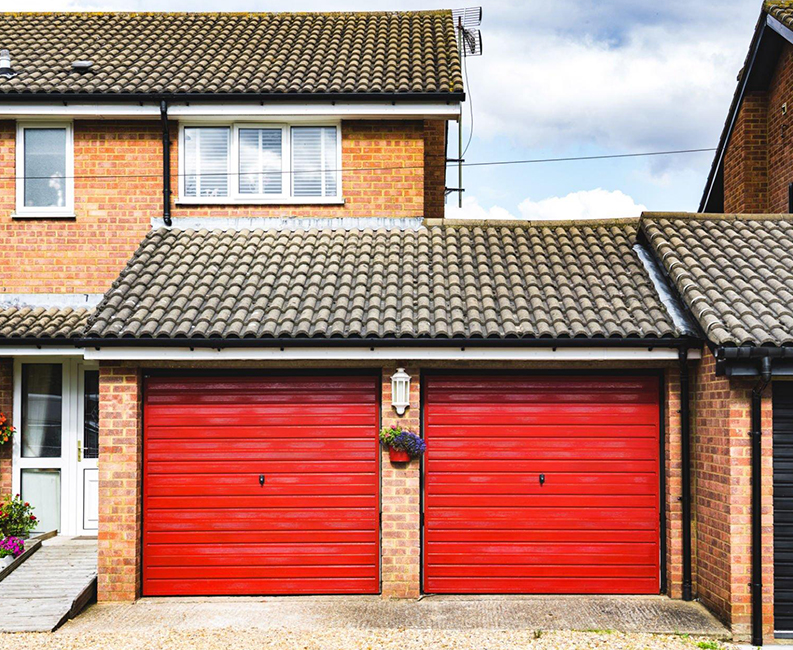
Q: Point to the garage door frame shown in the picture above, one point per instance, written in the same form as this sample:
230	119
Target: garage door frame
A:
657	373
374	373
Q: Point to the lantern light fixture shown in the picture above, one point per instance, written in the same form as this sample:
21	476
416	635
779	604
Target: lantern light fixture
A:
400	391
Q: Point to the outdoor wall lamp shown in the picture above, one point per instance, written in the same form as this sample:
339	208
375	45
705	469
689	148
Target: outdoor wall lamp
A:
400	391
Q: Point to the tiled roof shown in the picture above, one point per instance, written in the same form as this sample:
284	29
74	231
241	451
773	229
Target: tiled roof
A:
464	281
40	323
782	10
211	53
735	274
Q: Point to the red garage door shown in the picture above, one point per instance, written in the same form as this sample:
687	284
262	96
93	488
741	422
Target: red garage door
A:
260	485
541	485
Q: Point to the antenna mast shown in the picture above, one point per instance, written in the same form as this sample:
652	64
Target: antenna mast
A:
469	42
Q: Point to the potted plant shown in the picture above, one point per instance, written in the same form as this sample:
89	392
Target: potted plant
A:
10	549
402	444
16	518
6	430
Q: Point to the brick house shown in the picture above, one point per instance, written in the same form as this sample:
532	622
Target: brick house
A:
224	235
217	251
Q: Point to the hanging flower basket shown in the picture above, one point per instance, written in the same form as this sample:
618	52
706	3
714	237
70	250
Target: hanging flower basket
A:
402	444
398	455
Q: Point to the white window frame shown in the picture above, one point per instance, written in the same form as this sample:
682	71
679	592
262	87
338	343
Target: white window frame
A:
22	210
235	198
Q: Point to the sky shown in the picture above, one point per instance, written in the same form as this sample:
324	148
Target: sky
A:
561	78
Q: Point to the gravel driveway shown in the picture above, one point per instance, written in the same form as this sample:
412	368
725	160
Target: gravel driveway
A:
350	639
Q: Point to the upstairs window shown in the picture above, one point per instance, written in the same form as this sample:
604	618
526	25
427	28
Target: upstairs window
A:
45	170
260	163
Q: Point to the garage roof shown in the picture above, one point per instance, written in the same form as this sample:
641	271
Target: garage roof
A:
38	323
466	281
734	273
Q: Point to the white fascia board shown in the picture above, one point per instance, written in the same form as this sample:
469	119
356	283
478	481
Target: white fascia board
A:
384	354
292	111
43	351
295	111
109	111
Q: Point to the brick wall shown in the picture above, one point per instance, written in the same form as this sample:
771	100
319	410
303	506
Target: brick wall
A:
120	480
400	498
674	484
7	407
113	213
758	162
746	158
722	498
434	168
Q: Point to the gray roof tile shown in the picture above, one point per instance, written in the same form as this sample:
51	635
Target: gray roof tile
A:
40	323
221	53
735	274
492	281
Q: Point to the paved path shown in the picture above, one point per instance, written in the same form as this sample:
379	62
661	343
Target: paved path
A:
656	614
40	594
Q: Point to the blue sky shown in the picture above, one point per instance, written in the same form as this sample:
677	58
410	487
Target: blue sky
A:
567	78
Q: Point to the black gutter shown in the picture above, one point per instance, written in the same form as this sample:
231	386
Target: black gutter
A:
166	164
226	97
757	501
751	352
685	462
217	343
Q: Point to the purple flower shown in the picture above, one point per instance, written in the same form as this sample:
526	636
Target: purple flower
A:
13	546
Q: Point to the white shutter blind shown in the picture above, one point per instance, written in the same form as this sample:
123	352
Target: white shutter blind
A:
314	160
206	159
260	157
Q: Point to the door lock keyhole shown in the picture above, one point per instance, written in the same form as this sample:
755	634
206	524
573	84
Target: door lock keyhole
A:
542	479
261	480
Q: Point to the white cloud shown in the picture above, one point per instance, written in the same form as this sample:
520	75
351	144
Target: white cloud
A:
586	204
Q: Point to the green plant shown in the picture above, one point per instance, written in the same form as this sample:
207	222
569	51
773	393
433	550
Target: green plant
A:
387	435
16	517
710	644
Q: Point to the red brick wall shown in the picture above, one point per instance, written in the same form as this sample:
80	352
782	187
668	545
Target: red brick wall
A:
6	406
401	501
758	162
120	480
672	452
113	213
746	158
434	168
722	498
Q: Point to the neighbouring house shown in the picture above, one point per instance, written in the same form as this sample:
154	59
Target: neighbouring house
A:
224	235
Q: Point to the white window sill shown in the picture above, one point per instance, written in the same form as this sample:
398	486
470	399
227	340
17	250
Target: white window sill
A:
289	200
44	215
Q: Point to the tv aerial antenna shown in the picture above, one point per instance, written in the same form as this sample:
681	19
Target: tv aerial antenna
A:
469	42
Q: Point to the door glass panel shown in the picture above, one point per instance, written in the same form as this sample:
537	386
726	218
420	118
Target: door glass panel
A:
42	488
42	391
91	415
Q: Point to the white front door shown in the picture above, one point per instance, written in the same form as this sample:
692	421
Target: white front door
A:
56	447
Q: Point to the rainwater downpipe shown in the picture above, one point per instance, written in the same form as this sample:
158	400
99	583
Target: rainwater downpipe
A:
685	461
166	164
757	500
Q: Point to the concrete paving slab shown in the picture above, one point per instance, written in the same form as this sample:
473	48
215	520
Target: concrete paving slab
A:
656	614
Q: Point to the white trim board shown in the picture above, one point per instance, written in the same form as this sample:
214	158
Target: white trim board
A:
385	354
241	110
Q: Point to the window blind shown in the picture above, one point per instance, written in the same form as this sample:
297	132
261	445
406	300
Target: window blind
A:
206	158
260	161
314	170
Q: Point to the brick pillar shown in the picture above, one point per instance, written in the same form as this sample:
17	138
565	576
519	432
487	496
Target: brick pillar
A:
120	469
7	407
674	486
400	501
768	515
